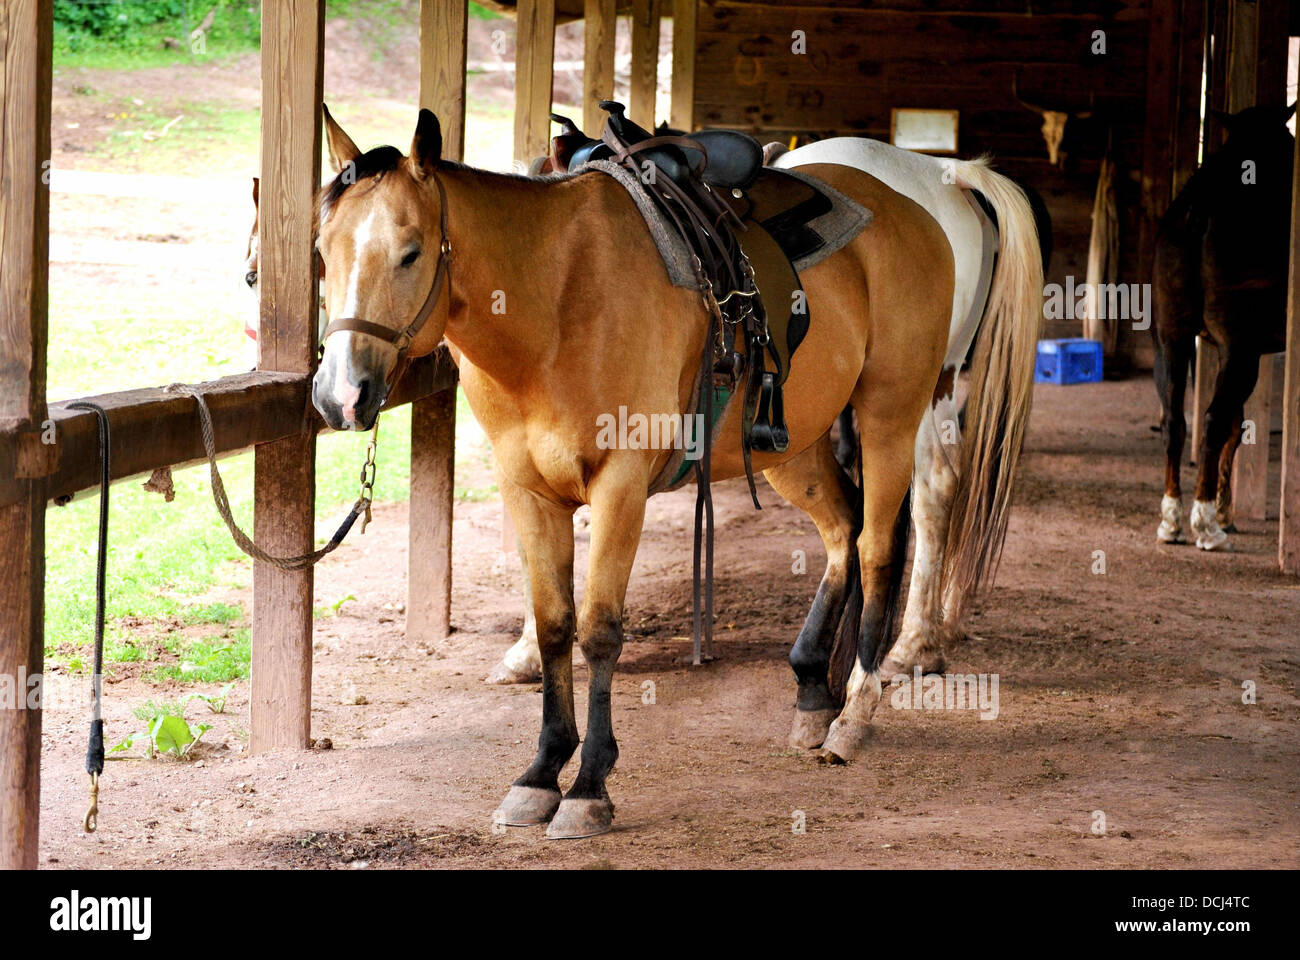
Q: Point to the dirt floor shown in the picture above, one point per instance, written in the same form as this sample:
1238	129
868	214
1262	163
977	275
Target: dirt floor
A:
1120	692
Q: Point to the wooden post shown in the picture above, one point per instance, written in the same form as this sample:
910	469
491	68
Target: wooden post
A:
534	69
645	61
681	114
600	23
1288	545
25	58
443	25
284	471
1257	52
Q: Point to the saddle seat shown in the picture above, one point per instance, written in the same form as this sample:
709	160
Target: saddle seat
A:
731	160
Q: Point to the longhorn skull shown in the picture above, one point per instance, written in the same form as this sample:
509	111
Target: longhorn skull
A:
1053	121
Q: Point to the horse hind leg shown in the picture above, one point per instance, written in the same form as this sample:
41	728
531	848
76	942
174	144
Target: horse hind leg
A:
887	453
1223	511
1172	359
1237	375
522	663
815	482
934	483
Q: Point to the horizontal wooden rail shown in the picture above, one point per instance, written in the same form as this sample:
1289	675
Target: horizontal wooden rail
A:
154	428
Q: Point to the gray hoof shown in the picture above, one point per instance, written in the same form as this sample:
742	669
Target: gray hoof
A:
577	818
810	727
527	806
844	742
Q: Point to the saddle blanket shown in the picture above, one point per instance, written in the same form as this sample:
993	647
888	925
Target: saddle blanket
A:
833	224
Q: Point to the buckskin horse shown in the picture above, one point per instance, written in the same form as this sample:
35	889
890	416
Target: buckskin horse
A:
548	293
946	189
1220	270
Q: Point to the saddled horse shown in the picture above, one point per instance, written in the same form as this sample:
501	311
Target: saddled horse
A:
1220	270
977	225
550	295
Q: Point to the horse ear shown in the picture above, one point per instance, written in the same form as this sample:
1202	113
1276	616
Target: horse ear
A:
426	145
342	150
1225	119
257	182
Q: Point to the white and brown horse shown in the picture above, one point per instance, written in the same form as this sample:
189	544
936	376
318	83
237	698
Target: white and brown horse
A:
557	308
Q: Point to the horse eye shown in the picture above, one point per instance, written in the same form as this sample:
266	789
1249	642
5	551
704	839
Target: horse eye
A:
250	278
410	258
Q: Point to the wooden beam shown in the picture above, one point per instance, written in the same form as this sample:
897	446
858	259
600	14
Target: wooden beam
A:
25	73
284	471
645	61
534	74
155	428
433	418
599	28
681	113
1288	546
443	26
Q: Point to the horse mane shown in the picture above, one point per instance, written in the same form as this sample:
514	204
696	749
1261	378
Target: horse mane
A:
373	163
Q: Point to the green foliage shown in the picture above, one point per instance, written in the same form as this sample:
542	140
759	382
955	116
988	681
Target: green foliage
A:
214	660
166	731
106	27
216	702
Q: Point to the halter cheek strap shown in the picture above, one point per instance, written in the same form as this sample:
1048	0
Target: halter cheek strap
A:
402	339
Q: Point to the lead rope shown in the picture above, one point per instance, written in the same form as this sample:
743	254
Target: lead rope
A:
95	747
245	543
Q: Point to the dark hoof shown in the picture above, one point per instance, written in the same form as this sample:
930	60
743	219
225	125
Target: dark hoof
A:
810	727
844	742
527	806
577	818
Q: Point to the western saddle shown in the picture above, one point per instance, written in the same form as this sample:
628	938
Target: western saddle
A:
742	223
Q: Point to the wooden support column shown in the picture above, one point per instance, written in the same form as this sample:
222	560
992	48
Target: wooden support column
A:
681	114
1256	75
25	58
534	70
645	61
599	28
1288	547
443	25
285	470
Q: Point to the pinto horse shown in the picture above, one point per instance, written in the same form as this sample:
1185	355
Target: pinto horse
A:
1220	270
551	296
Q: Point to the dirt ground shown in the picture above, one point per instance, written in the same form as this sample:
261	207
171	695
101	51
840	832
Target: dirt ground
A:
1119	692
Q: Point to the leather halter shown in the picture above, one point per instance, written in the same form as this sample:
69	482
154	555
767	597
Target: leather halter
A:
402	339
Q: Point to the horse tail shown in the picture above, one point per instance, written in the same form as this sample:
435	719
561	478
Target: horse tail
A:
1001	390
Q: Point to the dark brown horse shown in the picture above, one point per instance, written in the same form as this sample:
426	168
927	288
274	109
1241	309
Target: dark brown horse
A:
1221	272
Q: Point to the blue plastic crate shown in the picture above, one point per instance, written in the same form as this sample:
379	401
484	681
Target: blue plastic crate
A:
1072	360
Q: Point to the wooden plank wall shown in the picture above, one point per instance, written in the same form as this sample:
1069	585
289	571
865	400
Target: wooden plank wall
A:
865	58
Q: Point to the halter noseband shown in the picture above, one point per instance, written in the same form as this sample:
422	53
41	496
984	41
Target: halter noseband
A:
402	339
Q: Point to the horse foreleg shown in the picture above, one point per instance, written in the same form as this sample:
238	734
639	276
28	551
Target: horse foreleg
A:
547	534
814	482
523	661
617	512
1223	496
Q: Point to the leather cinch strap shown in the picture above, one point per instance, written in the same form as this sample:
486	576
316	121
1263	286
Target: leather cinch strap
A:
402	338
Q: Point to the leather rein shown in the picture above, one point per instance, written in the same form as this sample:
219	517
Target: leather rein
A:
402	339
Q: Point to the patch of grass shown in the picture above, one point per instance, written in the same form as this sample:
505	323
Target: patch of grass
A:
213	660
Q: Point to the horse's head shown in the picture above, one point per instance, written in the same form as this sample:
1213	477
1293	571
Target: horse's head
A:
1256	125
382	240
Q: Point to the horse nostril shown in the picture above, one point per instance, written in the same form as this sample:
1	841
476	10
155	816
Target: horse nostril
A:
364	395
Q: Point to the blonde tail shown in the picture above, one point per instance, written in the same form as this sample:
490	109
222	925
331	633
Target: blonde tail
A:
1001	391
